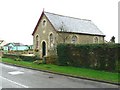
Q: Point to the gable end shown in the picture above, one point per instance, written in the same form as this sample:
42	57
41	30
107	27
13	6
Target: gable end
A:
38	23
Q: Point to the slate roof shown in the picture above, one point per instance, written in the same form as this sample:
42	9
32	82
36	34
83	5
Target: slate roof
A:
71	24
15	44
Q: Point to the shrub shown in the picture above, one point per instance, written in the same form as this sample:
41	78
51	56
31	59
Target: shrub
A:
18	59
28	58
62	54
95	56
12	56
51	59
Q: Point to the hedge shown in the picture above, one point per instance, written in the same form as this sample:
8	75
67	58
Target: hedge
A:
24	58
95	56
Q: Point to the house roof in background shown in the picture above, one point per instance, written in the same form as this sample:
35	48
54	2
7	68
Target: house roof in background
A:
18	44
15	44
1	41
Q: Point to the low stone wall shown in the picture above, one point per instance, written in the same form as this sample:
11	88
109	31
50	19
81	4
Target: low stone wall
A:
19	52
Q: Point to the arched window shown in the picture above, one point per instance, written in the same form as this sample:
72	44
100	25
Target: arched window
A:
96	40
44	23
37	42
74	39
51	40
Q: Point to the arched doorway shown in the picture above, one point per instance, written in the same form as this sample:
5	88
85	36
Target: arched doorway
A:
43	48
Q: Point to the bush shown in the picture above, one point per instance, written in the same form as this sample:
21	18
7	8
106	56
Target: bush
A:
18	59
12	56
51	59
95	56
28	58
62	55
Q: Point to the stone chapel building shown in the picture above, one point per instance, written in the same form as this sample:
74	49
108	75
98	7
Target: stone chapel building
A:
53	29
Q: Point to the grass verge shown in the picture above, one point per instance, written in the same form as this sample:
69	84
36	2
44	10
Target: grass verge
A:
74	71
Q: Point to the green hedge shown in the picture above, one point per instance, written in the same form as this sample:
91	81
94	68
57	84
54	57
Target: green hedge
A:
24	58
95	56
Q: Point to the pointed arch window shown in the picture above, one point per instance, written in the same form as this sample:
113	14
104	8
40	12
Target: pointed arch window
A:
44	23
37	41
51	40
96	40
74	39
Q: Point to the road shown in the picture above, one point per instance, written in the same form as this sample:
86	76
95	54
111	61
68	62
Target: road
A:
17	77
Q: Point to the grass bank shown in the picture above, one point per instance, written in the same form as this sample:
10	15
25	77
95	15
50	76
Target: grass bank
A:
79	72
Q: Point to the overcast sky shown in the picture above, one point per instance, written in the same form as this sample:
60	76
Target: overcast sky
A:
18	18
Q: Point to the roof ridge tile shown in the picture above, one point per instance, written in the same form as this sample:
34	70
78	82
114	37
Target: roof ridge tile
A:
67	16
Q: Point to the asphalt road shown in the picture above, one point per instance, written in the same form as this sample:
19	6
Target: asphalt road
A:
17	77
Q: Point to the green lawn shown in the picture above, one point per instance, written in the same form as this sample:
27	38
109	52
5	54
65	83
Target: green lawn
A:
82	72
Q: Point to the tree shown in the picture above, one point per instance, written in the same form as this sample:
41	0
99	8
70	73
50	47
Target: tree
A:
112	39
62	33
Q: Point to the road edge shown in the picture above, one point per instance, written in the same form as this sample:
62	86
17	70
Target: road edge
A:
62	74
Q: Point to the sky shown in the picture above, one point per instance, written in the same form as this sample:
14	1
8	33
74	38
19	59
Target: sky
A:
18	18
